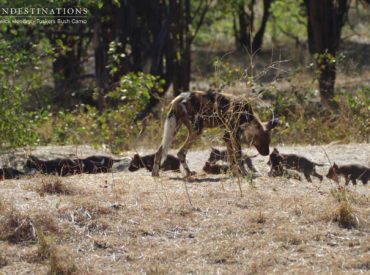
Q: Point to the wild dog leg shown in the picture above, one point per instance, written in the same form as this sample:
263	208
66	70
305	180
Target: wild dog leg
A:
307	176
239	159
317	175
248	161
192	137
235	156
157	162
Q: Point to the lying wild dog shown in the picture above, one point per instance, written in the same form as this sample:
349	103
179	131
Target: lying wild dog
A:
221	155
289	174
200	110
10	173
98	164
280	162
213	168
66	166
170	163
61	167
350	172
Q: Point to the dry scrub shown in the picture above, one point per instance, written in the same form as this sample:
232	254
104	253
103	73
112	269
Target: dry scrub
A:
130	223
52	185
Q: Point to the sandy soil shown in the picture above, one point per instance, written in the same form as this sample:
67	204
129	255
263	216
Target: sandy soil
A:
129	223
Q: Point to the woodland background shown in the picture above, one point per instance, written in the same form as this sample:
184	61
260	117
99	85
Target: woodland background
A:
108	81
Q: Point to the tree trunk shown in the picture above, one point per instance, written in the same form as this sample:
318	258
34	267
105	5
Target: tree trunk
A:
325	20
246	24
181	44
101	72
258	39
66	66
245	30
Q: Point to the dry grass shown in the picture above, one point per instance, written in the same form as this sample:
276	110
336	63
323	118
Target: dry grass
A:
62	261
16	227
345	216
130	223
20	227
52	185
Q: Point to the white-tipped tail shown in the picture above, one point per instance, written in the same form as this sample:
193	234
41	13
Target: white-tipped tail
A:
169	131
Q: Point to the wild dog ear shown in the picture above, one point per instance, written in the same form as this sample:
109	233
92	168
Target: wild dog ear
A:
215	150
335	165
32	157
272	124
275	151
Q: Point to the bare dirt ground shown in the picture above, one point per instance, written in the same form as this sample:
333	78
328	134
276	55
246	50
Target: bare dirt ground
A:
129	223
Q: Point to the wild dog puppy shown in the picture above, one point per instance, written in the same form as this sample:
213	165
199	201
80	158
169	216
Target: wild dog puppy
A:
10	173
213	168
279	162
61	167
98	164
221	155
200	110
170	163
349	172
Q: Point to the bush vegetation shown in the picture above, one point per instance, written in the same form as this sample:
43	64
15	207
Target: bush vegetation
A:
30	114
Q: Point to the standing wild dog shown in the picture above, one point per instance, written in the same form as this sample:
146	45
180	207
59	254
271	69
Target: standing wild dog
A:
200	110
279	162
350	172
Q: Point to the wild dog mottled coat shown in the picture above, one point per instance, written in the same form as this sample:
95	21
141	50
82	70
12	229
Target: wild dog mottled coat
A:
200	110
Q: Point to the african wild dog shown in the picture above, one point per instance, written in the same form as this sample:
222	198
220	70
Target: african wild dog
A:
98	164
221	155
200	110
170	163
350	172
10	173
66	166
61	167
280	162
213	168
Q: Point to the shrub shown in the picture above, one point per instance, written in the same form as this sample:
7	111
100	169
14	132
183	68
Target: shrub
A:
344	216
16	125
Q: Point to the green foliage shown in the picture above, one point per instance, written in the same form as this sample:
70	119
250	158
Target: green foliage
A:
217	28
305	121
115	55
115	127
18	74
226	74
289	19
135	90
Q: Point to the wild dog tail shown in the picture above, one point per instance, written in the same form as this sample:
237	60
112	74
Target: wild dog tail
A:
122	159
253	156
170	125
319	164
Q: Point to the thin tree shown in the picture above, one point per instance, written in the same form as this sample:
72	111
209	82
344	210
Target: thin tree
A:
325	20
